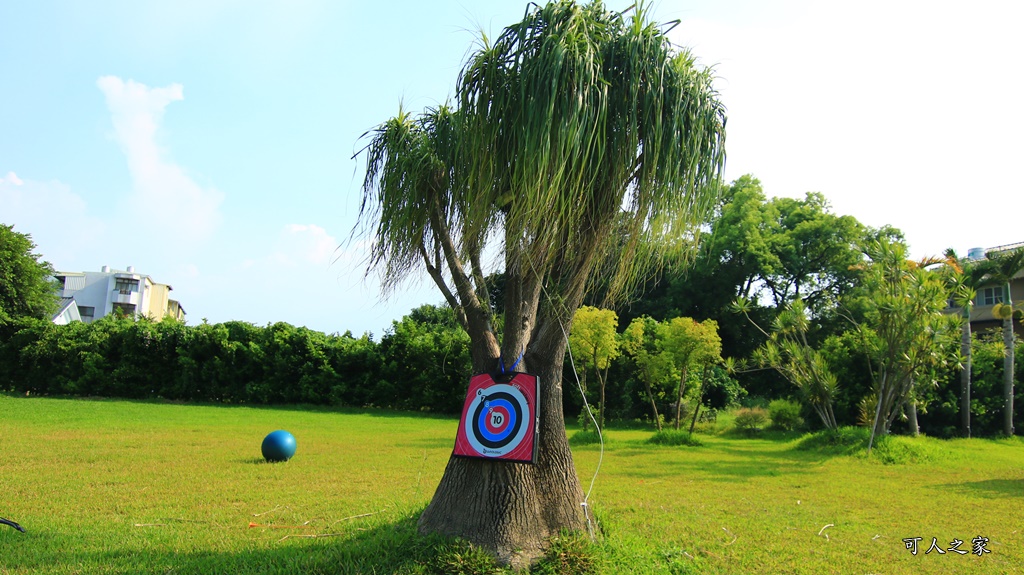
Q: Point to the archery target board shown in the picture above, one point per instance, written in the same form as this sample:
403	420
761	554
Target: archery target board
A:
500	418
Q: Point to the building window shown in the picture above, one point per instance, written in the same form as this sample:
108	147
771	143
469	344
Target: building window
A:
991	296
123	309
86	311
126	285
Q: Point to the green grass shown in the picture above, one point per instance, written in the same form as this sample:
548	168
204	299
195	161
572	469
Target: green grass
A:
675	437
131	487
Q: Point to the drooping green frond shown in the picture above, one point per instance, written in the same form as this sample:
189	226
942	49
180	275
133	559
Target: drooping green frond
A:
580	135
575	113
408	180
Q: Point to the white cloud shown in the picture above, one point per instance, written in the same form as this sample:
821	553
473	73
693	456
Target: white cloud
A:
57	219
163	196
304	244
900	113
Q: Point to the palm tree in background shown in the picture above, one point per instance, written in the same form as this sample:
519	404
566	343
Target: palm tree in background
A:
965	277
1001	267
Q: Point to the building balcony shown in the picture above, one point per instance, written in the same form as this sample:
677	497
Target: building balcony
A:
124	296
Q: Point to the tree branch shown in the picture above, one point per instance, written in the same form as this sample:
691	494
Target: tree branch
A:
435	274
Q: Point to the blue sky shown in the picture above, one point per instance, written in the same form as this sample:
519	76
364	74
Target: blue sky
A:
209	143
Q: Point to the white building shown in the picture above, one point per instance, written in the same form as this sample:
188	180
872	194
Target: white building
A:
97	294
67	312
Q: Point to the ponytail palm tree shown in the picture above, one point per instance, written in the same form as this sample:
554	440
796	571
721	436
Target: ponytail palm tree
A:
573	123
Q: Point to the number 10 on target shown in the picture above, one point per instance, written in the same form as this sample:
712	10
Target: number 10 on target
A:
500	418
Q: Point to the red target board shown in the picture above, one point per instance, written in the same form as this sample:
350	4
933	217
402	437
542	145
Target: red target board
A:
500	419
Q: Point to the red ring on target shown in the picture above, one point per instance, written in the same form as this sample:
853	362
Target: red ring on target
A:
498	419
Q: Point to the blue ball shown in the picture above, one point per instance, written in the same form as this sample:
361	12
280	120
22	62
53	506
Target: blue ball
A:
278	446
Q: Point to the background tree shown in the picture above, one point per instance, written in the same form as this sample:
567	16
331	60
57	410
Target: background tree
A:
572	123
1001	267
27	288
708	356
789	352
641	341
756	251
964	277
906	334
596	343
688	344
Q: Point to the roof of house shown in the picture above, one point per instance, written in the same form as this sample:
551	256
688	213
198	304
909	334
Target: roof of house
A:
1006	247
65	303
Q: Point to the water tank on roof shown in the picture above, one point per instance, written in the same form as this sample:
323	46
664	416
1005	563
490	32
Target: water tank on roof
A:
131	269
105	269
974	254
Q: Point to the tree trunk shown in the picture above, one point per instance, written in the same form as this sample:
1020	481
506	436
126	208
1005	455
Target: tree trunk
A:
915	429
700	396
1008	377
654	406
965	376
600	410
512	509
583	390
679	397
878	425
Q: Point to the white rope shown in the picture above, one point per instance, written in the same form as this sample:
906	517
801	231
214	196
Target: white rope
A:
600	436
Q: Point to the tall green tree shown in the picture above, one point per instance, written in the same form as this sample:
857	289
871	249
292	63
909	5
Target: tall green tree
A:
1001	268
688	344
574	122
906	333
769	252
964	277
27	288
654	367
596	343
789	352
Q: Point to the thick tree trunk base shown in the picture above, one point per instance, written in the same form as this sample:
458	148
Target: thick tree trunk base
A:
509	509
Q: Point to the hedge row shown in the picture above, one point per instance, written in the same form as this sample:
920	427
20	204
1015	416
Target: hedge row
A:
422	363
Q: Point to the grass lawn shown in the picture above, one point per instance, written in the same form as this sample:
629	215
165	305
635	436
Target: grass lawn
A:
133	487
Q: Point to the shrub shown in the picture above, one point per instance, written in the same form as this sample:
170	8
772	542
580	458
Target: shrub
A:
674	437
588	437
751	420
785	415
845	440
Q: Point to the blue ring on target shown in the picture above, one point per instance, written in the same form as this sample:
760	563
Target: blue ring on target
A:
515	403
485	414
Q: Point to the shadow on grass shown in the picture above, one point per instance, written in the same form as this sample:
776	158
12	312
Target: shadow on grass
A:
302	407
389	548
737	466
767	434
991	488
430	443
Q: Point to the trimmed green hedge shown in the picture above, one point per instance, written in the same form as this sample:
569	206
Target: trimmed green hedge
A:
422	363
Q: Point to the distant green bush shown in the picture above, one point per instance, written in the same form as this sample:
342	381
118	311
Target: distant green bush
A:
421	364
675	437
888	449
751	420
785	415
844	440
588	437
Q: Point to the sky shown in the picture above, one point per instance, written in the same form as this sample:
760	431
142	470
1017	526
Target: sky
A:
213	144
